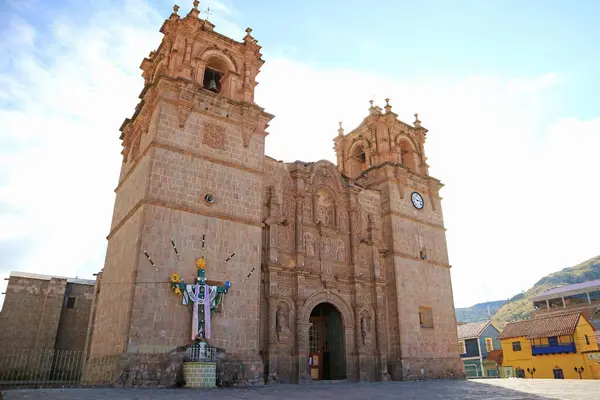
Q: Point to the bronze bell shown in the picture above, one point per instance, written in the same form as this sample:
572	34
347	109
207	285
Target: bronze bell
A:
212	85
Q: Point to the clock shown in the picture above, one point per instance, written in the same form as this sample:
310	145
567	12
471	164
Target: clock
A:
417	200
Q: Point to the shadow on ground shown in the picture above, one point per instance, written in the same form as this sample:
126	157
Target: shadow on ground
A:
447	390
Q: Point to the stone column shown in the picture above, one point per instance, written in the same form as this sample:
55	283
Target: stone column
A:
354	227
351	355
272	345
380	335
302	349
358	345
300	251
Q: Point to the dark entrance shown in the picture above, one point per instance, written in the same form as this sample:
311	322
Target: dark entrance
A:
558	373
326	343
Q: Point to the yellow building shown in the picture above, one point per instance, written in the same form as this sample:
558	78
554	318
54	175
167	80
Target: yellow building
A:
553	347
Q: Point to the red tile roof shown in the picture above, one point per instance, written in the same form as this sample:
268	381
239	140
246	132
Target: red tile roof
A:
472	330
495	355
556	325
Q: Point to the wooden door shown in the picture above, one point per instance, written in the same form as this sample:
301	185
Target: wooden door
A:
316	345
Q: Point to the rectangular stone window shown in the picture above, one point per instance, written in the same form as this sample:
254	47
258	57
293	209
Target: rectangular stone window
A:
516	346
426	317
70	302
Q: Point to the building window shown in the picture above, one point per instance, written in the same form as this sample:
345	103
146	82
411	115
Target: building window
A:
540	305
426	317
556	303
516	346
576	299
587	339
489	344
594	296
462	349
70	302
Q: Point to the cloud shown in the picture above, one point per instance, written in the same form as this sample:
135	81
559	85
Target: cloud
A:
519	200
509	203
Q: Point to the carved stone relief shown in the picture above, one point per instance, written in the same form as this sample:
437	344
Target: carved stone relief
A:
307	211
214	135
326	248
341	250
309	244
183	112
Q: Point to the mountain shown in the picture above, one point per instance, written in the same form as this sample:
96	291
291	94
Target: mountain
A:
519	307
478	312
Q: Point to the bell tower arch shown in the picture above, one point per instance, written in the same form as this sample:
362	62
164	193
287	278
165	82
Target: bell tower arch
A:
192	174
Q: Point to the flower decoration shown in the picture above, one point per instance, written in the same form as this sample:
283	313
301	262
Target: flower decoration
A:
177	283
201	263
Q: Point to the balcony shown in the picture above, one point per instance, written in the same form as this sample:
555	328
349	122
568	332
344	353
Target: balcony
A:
560	348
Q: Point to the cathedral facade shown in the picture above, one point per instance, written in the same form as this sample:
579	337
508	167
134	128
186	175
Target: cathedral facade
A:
336	271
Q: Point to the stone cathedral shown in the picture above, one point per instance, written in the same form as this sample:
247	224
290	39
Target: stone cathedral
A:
337	272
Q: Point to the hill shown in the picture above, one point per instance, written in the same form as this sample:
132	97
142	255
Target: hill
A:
478	312
519	307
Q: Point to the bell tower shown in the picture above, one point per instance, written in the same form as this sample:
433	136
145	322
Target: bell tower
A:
381	138
191	178
387	155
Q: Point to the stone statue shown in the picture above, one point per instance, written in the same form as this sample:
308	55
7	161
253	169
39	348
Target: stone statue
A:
365	327
309	246
281	319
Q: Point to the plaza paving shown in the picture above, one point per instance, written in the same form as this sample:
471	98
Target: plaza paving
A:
514	389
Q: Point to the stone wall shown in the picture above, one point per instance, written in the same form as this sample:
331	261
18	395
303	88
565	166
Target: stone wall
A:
73	324
31	312
200	374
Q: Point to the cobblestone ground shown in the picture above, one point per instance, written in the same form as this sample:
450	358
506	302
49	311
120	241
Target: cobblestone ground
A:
500	389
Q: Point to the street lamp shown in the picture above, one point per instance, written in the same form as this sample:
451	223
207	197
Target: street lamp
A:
531	371
579	371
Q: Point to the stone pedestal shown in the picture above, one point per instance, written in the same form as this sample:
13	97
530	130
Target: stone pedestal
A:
200	374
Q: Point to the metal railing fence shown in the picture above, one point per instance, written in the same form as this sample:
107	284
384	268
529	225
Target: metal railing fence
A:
38	368
201	352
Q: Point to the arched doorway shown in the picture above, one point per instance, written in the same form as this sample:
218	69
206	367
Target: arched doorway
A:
326	343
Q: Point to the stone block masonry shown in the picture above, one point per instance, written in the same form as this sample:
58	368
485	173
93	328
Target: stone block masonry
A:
200	374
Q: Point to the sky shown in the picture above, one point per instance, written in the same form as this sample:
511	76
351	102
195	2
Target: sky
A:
507	89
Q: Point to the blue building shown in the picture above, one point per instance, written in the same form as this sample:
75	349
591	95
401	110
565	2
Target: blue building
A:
475	341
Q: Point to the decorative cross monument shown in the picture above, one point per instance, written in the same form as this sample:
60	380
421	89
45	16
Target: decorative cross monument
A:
208	293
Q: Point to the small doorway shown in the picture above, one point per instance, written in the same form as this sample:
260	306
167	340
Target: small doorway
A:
508	372
558	373
326	344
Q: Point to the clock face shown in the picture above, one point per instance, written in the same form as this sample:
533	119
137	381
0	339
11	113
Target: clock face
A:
417	200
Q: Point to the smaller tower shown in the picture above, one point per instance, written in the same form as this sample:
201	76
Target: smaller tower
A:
387	155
